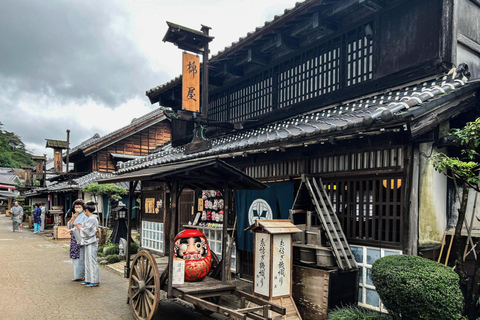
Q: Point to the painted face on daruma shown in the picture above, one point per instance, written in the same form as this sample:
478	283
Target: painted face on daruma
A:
191	245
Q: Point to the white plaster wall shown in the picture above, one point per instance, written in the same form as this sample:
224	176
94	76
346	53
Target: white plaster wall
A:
432	198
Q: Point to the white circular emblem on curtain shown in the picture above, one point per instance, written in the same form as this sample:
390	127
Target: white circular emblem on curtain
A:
259	209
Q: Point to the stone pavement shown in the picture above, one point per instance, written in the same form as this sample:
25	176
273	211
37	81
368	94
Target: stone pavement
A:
35	283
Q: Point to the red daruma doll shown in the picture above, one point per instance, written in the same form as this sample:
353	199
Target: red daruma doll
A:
191	245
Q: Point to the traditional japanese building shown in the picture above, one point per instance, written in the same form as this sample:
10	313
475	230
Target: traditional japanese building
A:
358	93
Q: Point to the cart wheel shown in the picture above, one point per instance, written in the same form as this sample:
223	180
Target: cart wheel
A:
144	286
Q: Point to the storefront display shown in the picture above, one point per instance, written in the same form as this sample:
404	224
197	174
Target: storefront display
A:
212	204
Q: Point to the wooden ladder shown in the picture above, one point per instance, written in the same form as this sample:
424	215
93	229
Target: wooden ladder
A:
329	220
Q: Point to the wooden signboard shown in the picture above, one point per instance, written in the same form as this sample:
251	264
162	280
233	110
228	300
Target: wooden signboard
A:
282	253
178	272
57	159
191	83
150	205
262	264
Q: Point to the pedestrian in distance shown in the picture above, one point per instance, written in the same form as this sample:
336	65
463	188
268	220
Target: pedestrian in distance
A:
17	216
77	251
37	220
88	232
42	217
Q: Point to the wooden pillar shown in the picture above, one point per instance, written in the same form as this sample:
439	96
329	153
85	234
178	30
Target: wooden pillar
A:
226	208
171	234
131	190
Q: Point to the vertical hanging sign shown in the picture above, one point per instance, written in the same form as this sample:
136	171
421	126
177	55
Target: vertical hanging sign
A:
191	82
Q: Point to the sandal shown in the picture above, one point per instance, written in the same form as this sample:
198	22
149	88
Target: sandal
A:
81	279
91	285
85	283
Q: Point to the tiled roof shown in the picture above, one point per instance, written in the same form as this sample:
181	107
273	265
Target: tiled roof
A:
358	115
97	138
77	184
7	179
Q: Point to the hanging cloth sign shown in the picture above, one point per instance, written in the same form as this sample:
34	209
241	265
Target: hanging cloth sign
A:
191	82
250	205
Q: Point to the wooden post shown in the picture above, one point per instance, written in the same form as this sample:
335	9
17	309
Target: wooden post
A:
204	95
131	190
226	209
171	234
68	153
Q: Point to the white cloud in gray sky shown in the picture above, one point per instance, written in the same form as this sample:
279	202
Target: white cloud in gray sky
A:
85	65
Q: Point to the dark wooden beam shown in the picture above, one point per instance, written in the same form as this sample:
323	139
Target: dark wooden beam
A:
171	233
253	57
230	69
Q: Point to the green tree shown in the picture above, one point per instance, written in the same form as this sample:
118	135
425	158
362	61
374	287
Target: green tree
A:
12	151
464	169
109	191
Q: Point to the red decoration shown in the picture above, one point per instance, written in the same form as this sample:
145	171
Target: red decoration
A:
192	246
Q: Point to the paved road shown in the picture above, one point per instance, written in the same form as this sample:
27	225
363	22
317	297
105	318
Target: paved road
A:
35	284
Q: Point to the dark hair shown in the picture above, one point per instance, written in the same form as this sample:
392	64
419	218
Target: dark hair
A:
37	205
90	206
78	202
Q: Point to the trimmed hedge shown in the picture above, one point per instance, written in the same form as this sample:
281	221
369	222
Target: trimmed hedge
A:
113	258
416	288
110	249
356	313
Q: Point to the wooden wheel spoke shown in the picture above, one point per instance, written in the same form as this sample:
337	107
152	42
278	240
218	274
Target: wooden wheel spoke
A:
134	277
135	267
150	286
144	306
149	303
135	295
150	295
135	305
152	277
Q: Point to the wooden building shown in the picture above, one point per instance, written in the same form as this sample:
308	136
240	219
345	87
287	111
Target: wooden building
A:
358	93
97	157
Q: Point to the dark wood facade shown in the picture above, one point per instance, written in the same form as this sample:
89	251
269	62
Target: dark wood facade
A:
136	140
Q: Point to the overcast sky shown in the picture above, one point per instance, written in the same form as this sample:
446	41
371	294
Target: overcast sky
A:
85	65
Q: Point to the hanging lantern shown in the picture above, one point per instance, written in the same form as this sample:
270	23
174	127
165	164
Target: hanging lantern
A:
191	245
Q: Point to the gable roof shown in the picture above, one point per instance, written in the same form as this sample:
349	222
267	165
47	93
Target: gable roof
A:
94	143
56	144
373	112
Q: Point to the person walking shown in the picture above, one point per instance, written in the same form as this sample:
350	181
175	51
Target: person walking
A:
42	217
17	216
36	218
89	239
77	251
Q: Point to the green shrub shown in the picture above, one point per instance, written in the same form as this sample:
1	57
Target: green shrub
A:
100	249
111	249
112	258
134	247
356	313
416	288
100	254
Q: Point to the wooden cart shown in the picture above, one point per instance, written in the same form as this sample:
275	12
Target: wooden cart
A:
146	281
145	278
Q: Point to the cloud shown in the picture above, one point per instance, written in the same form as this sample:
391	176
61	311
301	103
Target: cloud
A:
85	65
73	50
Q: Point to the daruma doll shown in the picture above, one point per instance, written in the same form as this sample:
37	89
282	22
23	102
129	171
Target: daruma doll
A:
191	245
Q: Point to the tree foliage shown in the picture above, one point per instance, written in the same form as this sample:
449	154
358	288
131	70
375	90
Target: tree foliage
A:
12	151
464	170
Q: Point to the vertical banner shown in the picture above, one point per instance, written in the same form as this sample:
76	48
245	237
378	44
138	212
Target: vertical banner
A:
250	205
191	82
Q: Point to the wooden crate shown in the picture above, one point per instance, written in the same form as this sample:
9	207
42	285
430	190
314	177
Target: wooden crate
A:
315	291
58	232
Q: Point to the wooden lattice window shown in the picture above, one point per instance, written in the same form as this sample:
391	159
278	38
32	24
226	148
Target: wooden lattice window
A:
317	70
369	209
362	160
281	169
359	54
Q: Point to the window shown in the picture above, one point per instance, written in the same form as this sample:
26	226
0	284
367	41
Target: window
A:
214	238
365	256
152	235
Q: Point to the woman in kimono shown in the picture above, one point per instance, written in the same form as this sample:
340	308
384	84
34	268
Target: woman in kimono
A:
77	252
36	218
88	232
